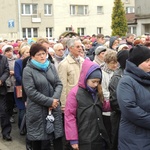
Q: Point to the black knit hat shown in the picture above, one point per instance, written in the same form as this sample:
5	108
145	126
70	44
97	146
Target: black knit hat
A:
139	54
96	74
122	56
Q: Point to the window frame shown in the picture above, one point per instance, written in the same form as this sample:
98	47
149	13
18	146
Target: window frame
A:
31	7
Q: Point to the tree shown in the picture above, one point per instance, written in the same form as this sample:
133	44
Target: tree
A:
119	21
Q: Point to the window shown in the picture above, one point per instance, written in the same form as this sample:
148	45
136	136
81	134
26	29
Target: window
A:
48	9
49	32
29	9
99	30
78	9
99	9
81	31
68	28
130	10
30	32
132	29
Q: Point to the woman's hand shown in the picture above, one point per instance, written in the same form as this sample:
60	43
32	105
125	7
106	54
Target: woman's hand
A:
55	103
75	146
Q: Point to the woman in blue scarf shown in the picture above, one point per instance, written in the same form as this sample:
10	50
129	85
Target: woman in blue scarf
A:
43	88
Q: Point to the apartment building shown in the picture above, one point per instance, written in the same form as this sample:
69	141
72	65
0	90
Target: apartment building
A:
142	14
50	18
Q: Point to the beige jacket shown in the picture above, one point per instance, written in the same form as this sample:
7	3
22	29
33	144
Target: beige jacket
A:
69	72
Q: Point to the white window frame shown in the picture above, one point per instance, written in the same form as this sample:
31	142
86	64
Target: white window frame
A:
48	9
100	9
132	30
130	9
31	11
27	31
81	31
68	28
99	30
74	9
49	32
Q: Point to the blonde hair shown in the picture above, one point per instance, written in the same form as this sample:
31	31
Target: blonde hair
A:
24	48
110	55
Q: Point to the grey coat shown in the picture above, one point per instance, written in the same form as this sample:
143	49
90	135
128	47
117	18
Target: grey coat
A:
41	88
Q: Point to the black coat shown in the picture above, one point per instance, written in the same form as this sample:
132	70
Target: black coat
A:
116	114
4	74
92	132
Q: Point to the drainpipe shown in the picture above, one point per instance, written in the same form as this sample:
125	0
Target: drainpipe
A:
19	20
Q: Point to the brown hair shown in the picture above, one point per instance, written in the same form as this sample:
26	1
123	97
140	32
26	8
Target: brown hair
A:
110	55
100	93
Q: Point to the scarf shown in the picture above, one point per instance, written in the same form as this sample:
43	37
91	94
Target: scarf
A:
42	66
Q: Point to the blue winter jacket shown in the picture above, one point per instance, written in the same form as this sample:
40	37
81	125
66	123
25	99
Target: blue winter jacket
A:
134	101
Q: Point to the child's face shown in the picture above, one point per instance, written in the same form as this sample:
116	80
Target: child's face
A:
93	83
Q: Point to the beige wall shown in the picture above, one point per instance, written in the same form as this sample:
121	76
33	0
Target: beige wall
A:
59	20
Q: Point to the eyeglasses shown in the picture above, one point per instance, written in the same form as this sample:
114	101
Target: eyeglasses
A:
77	46
40	54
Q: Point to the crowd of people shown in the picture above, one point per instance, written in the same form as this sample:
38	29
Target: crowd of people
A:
95	91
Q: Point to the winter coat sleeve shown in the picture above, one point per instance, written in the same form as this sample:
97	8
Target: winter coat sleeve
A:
57	85
5	72
113	93
18	72
71	130
126	96
32	93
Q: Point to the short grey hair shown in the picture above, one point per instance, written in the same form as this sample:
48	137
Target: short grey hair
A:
71	41
57	45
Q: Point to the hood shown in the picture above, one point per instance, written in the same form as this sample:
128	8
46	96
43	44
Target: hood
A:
137	74
87	68
111	41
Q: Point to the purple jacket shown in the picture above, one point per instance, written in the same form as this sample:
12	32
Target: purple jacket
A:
71	129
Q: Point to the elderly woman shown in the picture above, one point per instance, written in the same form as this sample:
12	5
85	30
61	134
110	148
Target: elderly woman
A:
108	68
24	52
43	88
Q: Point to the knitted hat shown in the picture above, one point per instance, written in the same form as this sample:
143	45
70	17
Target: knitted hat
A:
96	74
122	56
100	49
5	47
139	54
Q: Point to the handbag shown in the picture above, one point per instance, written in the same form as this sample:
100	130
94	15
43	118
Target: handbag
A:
19	91
106	106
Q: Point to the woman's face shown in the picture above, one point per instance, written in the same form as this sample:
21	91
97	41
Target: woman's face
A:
145	66
112	65
40	56
26	53
9	54
93	83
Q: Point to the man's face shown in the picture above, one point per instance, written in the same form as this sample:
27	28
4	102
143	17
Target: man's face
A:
130	39
76	49
101	40
59	51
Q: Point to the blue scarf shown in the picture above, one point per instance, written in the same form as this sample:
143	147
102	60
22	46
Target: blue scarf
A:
93	91
42	66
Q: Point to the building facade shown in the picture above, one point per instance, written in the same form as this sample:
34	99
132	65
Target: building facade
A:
142	15
50	18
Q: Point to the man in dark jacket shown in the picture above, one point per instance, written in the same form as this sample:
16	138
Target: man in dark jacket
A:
4	117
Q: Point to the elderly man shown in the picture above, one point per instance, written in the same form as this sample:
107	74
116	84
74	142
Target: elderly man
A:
69	68
59	54
4	117
69	71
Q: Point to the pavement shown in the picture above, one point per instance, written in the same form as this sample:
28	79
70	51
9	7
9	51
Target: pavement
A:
18	141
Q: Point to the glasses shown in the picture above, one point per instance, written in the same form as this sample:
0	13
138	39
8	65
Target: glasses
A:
40	54
77	46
